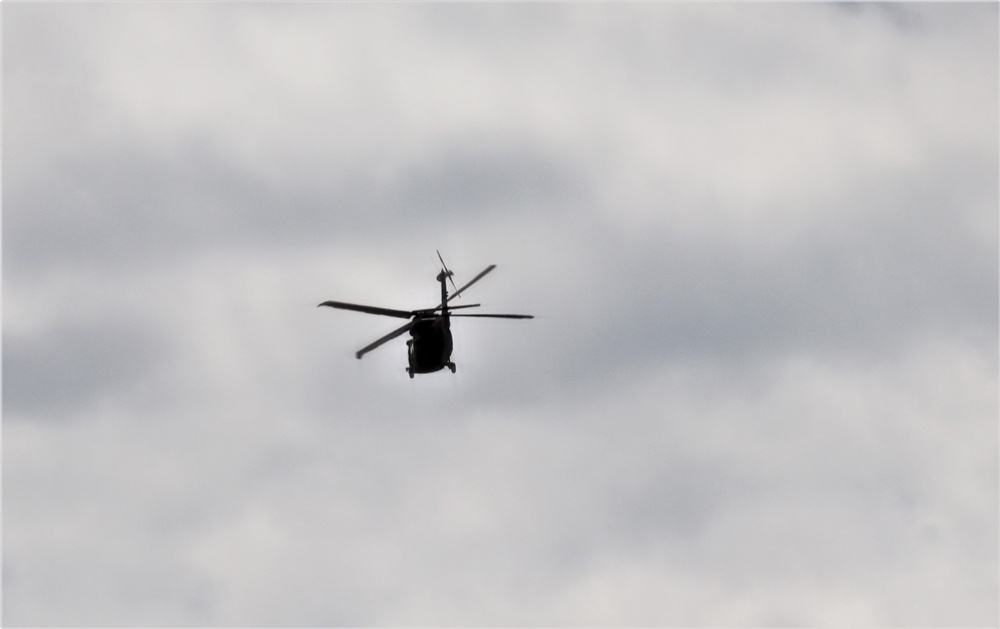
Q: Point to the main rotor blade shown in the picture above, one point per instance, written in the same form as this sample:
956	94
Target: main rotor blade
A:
450	308
496	316
474	280
389	312
385	339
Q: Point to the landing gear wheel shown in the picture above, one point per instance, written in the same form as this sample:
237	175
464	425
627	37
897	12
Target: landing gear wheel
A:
410	371
451	366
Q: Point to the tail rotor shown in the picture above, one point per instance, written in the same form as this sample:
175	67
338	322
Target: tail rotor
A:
447	273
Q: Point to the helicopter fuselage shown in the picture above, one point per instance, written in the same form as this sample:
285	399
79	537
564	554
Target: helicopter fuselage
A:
430	345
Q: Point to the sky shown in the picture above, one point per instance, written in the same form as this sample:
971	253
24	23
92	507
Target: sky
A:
760	242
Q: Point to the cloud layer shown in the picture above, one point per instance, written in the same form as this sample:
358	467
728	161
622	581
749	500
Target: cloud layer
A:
760	243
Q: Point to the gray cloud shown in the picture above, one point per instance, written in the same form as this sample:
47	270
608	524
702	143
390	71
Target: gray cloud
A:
73	366
113	209
760	243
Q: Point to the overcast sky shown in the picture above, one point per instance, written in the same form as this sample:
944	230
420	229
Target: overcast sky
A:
760	242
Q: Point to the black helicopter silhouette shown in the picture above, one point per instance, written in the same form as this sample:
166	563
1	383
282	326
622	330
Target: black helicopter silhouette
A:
430	347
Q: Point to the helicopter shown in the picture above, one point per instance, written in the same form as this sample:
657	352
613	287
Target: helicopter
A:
429	348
